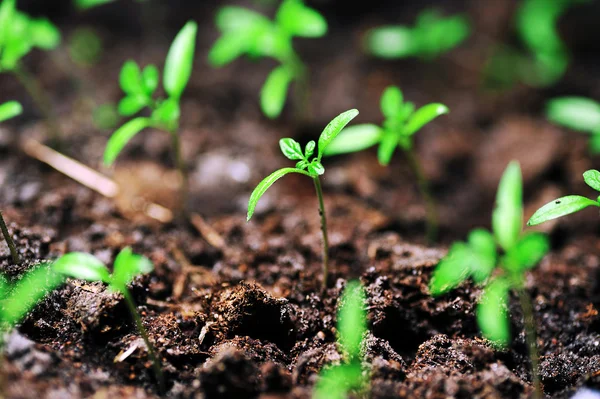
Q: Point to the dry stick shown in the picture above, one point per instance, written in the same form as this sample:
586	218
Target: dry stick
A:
9	240
430	206
531	338
323	230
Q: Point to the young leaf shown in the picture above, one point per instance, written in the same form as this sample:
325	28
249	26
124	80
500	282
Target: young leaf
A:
122	136
238	19
82	266
560	207
227	48
167	113
577	113
392	42
274	92
352	320
180	59
309	149
150	79
592	179
9	110
452	270
527	252
302	164
7	10
130	78
298	20
333	129
507	219
315	168
131	104
354	139
483	248
335	382
386	149
264	185
128	265
423	116
492	312
391	102
291	149
43	34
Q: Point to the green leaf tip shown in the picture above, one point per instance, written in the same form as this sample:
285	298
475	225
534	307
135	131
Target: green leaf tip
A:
333	129
592	179
180	59
507	218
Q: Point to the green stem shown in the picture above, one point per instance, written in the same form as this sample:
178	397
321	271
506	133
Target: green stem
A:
32	86
180	163
323	230
9	240
140	326
530	337
430	205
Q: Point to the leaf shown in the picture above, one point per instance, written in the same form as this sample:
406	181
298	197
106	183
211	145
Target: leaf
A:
386	149
507	219
333	129
44	34
452	270
315	168
577	113
492	312
9	110
274	92
82	266
391	102
483	248
122	136
127	266
167	113
227	48
131	105
309	149
392	42
180	59
423	116
355	138
352	320
592	179
302	164
130	78
264	185
291	149
335	382
298	20
7	10
527	252
150	79
560	207
236	19
86	4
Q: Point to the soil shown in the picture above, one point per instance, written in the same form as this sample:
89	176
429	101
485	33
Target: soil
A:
248	319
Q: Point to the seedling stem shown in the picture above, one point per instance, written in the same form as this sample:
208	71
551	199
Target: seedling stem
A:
323	230
531	339
9	240
430	204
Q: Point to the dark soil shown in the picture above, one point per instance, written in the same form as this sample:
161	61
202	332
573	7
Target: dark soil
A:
249	320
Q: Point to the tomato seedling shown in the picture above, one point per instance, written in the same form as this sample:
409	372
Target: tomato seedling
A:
335	382
127	266
498	271
398	130
139	87
431	36
245	32
312	168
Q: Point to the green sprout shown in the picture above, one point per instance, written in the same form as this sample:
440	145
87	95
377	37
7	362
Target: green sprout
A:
431	36
335	382
569	204
577	113
139	87
312	168
19	34
498	271
401	123
247	32
127	266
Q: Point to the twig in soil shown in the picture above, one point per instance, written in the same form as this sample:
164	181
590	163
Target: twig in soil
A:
208	232
398	130
186	269
311	168
479	258
9	241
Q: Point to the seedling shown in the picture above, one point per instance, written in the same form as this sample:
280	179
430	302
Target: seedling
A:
432	36
139	87
126	267
335	382
577	113
398	130
498	271
311	168
19	34
569	204
250	33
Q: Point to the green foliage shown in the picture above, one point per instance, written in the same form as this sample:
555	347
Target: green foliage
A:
577	113
140	85
87	4
569	204
400	125
292	150
19	34
480	257
85	46
338	380
245	32
9	110
431	36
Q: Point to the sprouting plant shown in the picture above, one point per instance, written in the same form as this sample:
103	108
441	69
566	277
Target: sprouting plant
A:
312	168
431	36
126	267
139	87
498	271
335	382
570	204
401	123
577	113
19	34
247	32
